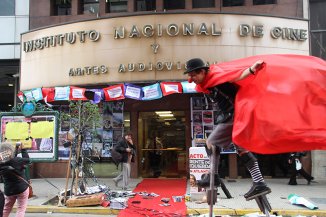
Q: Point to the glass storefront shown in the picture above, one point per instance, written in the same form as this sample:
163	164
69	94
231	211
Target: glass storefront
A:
161	139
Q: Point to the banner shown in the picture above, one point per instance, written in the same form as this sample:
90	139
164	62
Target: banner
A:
114	92
61	93
152	92
133	91
21	96
77	93
98	95
37	94
111	93
170	88
48	94
188	87
28	95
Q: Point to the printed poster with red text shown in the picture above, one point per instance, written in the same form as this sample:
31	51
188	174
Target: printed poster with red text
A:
198	164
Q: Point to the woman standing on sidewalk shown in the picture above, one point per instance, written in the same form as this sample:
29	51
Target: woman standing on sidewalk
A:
15	185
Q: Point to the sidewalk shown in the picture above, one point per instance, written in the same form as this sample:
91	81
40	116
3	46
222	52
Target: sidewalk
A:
316	193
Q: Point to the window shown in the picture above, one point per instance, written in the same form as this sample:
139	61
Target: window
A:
7	7
172	5
90	6
230	3
116	6
61	7
145	5
203	3
263	2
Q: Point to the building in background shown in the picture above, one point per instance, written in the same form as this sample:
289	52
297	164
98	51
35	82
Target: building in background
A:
148	41
14	19
318	28
318	49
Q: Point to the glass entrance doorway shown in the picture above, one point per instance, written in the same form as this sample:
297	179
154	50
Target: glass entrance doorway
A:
161	137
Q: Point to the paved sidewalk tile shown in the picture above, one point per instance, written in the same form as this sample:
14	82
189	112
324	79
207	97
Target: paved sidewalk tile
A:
45	190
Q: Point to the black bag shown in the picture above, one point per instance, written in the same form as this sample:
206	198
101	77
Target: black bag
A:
116	156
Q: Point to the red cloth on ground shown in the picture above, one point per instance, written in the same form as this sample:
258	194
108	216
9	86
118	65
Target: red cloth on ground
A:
165	188
280	109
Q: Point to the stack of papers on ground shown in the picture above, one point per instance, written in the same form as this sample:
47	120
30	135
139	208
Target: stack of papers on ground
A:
118	203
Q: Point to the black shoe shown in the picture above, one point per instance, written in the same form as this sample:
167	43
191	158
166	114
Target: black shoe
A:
309	181
292	183
205	181
257	189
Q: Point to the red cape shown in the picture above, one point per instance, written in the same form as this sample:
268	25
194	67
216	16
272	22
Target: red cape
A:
280	109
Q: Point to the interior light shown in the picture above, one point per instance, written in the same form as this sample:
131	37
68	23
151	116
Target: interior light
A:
9	105
165	115
127	120
10	85
163	112
170	119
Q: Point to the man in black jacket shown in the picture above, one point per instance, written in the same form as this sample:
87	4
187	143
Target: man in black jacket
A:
128	150
296	168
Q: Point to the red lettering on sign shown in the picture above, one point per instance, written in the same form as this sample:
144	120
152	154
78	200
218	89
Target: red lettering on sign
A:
196	156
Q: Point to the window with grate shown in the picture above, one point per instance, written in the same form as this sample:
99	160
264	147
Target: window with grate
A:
203	3
90	6
145	5
230	3
263	2
7	7
116	6
172	5
61	7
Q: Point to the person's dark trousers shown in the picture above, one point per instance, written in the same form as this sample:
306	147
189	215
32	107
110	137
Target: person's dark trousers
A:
294	172
305	175
293	176
2	203
157	165
155	162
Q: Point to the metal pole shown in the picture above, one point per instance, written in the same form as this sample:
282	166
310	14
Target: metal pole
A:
15	91
212	180
67	176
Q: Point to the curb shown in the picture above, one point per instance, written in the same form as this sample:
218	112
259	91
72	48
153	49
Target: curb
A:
77	210
220	211
241	212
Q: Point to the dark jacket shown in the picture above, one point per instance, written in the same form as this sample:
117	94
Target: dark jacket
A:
121	147
296	155
10	171
224	95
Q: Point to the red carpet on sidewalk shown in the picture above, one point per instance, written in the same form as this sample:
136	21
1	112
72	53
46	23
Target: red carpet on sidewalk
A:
165	188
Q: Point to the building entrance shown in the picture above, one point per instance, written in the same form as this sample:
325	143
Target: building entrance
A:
162	140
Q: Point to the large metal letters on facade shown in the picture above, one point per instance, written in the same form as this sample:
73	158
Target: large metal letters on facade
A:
131	49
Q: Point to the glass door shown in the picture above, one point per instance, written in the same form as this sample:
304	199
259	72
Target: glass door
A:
162	141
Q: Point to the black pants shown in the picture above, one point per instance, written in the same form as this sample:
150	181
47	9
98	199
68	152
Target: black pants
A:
294	172
155	163
2	202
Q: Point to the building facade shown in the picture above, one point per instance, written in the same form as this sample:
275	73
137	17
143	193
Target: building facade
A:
101	43
14	19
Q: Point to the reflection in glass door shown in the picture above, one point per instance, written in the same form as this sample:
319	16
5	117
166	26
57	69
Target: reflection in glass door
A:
162	142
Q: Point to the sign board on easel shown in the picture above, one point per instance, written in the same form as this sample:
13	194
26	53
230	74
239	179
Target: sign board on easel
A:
36	131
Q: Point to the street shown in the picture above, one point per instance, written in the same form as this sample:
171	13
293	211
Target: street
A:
59	215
